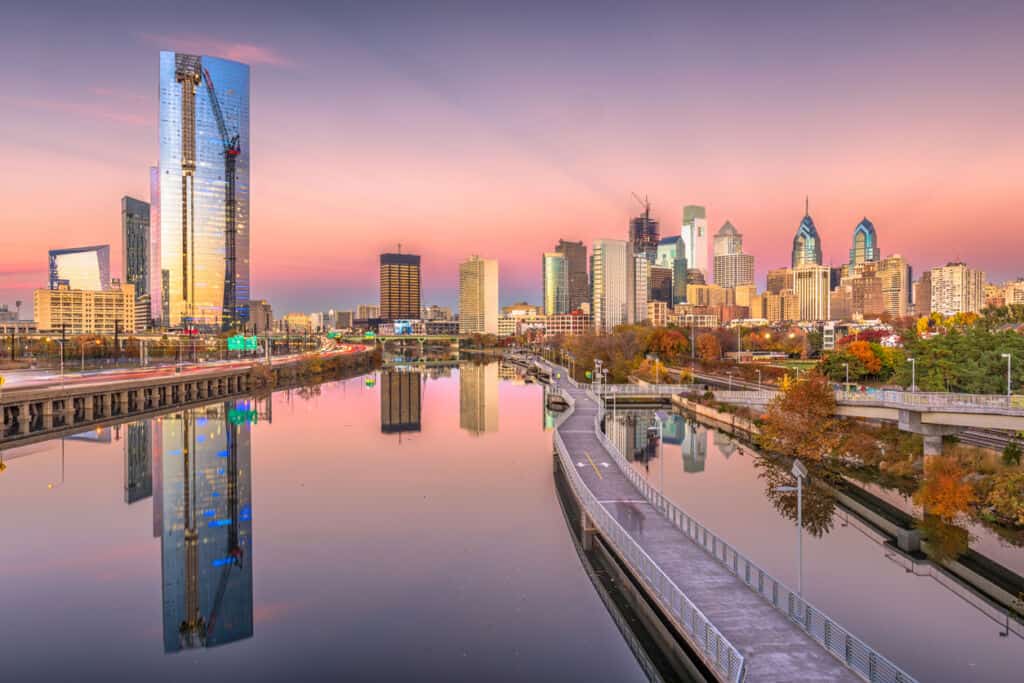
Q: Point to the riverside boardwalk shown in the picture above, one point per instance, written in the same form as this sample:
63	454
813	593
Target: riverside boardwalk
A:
771	639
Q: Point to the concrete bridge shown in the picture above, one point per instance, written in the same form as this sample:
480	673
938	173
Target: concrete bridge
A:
742	624
932	415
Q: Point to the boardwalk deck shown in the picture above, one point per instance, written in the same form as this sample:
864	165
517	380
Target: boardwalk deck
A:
774	648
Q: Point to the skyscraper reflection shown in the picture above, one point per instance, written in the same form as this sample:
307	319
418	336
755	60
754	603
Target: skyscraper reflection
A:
206	540
695	448
478	398
138	465
400	394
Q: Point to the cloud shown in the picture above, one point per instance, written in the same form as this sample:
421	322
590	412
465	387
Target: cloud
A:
199	44
93	110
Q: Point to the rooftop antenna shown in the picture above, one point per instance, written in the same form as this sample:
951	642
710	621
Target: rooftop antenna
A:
399	247
807	205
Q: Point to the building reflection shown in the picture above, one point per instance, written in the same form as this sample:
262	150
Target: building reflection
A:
400	396
724	444
695	448
478	398
206	518
635	434
138	465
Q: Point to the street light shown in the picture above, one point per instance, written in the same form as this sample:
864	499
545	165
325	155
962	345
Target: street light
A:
913	374
799	472
1009	360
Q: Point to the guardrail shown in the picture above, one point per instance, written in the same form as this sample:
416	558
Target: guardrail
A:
641	389
965	403
763	396
713	647
860	657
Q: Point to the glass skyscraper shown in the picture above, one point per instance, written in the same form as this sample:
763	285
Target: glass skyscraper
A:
806	243
135	244
85	268
556	283
865	244
204	190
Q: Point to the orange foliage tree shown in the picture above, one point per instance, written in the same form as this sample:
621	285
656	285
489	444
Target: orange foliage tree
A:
863	352
708	346
944	493
801	421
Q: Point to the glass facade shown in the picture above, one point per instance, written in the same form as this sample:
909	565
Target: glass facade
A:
86	268
806	244
556	284
135	244
865	244
204	190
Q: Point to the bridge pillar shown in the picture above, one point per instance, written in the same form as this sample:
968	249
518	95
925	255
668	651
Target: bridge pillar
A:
910	421
87	406
587	531
122	402
105	405
47	409
69	411
24	418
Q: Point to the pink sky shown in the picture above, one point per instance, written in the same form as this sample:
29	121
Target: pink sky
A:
498	135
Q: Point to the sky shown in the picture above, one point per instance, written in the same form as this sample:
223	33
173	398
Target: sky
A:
498	128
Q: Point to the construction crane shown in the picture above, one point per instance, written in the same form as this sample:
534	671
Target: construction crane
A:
232	148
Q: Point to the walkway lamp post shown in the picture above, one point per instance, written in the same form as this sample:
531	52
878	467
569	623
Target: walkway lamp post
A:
913	374
799	472
1009	380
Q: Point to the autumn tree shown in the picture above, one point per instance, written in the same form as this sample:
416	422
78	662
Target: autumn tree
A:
945	492
708	347
801	421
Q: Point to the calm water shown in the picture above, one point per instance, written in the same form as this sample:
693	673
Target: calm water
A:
921	622
403	525
407	530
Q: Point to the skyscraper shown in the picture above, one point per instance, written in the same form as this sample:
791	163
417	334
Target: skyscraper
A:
672	254
135	244
806	243
556	283
695	235
613	282
865	244
732	267
81	268
811	282
644	234
641	278
576	264
159	279
957	289
399	286
478	296
204	190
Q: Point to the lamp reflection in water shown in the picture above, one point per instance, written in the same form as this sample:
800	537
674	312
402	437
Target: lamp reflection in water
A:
206	539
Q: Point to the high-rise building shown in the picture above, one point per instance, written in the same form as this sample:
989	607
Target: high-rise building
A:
135	252
806	243
865	244
205	518
659	284
812	287
779	279
159	279
84	268
895	274
695	236
85	311
732	266
478	397
641	282
399	286
957	289
613	281
367	312
204	190
555	282
576	265
644	234
478	296
672	254
261	316
400	409
923	294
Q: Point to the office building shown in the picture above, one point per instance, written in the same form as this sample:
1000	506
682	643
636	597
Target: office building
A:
732	266
159	279
659	284
576	264
86	311
204	190
400	407
367	312
955	289
779	279
614	284
806	242
923	294
399	286
672	255
261	316
555	272
342	320
478	296
812	287
478	397
744	294
644	234
695	236
135	251
896	276
435	312
80	268
205	524
865	244
657	313
641	282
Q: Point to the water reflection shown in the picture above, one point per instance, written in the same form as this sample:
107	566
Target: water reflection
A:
206	539
400	400
478	398
138	462
635	433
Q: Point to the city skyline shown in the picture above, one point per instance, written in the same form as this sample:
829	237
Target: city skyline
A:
757	159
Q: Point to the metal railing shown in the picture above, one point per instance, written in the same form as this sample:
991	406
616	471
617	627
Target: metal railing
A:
965	403
641	389
861	658
762	396
709	642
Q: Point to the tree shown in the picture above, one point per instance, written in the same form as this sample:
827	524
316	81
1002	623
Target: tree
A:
801	421
708	347
1011	453
862	351
945	492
